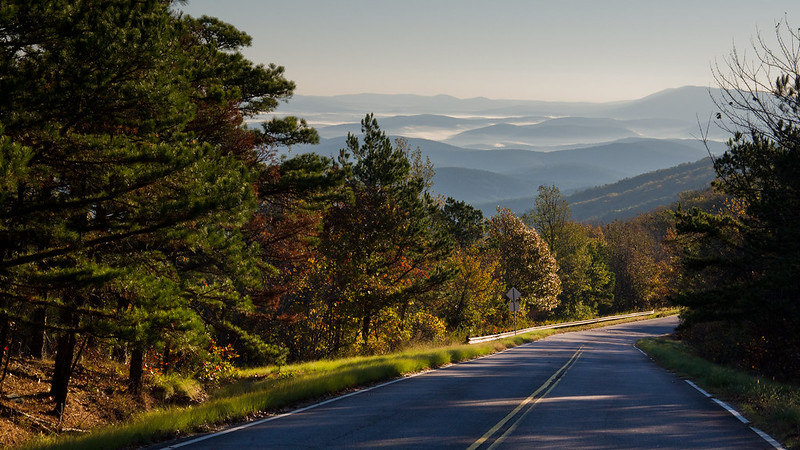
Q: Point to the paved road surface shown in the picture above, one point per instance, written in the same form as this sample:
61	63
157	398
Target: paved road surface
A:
589	389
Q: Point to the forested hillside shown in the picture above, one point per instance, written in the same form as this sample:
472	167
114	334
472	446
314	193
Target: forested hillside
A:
633	196
629	197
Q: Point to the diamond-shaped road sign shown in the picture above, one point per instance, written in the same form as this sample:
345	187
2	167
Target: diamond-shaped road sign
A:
513	294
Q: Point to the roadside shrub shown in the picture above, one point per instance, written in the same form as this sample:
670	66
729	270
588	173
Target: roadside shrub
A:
176	389
426	327
730	343
217	367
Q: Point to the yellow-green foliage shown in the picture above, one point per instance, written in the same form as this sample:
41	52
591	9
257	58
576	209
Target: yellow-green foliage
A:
172	387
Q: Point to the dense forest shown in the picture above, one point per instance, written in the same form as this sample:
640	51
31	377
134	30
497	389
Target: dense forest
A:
142	220
740	258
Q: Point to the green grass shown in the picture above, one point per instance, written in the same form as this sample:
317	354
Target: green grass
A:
273	388
174	387
771	406
292	385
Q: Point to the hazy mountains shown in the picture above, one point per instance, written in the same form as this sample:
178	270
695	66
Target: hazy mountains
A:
497	152
628	197
685	103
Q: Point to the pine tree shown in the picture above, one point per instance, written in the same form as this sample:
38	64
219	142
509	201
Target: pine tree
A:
742	262
384	247
129	172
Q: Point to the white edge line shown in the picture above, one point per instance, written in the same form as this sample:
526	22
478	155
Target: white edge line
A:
735	413
732	411
296	411
698	388
767	438
741	418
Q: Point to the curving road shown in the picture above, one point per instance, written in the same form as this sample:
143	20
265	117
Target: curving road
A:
589	389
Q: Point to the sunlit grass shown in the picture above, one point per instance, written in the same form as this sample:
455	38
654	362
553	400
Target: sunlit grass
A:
173	386
272	388
383	366
771	406
276	389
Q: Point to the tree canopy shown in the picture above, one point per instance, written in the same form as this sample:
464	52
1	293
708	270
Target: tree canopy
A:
525	261
383	245
744	259
127	171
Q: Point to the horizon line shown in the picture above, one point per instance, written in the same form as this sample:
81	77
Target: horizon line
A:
481	97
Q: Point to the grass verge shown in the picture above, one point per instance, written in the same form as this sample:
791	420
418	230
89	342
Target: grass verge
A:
771	406
294	384
272	389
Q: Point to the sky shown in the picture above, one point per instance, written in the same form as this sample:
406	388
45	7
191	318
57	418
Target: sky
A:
553	50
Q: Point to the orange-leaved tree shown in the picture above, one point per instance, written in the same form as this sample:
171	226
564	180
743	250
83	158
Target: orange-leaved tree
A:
525	262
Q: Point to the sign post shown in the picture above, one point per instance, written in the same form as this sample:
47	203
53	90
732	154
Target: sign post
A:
514	295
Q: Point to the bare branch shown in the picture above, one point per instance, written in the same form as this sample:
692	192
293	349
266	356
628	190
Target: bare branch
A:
760	91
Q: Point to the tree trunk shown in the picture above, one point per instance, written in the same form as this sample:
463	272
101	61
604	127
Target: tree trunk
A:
119	354
36	339
5	348
4	326
62	371
165	361
365	322
135	372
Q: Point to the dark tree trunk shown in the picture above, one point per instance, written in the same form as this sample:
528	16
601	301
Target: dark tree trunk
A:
119	354
36	339
4	326
5	367
165	362
365	322
5	349
135	372
62	371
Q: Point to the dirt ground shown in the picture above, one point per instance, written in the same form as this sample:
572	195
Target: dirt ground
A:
96	398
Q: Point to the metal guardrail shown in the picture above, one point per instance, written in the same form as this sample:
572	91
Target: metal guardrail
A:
492	337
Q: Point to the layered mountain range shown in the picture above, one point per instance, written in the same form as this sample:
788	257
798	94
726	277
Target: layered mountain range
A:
609	159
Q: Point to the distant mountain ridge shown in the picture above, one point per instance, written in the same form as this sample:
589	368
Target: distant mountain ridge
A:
558	131
632	196
684	103
437	104
487	151
626	198
509	173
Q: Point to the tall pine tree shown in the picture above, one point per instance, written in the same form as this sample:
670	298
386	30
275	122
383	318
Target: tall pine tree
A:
129	171
384	247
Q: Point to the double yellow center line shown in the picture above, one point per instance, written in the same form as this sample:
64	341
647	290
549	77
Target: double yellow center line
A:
526	404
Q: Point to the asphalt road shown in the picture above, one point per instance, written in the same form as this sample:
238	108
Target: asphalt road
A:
589	389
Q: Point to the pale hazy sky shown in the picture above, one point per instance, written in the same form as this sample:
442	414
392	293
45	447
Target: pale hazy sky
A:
572	50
